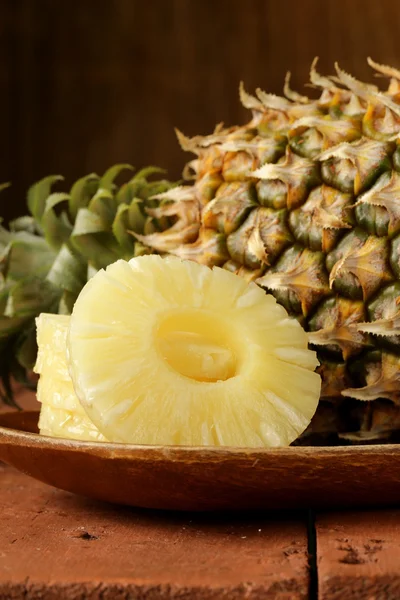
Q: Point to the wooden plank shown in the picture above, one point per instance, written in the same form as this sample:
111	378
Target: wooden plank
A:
359	555
55	545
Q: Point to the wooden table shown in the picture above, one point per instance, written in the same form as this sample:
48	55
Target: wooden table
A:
55	546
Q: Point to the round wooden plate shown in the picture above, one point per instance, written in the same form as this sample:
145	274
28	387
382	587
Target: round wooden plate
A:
186	478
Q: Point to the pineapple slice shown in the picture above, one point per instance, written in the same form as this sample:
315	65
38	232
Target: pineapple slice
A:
163	351
55	386
51	332
57	422
59	394
61	415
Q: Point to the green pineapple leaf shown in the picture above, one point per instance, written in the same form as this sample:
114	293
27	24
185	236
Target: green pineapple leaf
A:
26	254
81	193
56	228
128	191
148	171
120	229
92	240
25	223
10	326
68	271
38	194
104	205
31	296
107	181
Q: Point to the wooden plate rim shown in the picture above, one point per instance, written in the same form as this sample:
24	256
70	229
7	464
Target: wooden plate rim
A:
115	450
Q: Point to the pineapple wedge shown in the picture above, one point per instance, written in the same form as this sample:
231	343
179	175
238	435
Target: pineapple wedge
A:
61	413
163	351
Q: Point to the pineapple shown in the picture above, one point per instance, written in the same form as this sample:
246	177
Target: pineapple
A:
56	422
305	201
61	413
47	257
302	200
164	351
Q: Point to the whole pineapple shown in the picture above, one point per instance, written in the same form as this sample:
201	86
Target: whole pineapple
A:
305	200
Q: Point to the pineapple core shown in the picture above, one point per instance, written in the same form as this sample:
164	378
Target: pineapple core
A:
169	352
195	346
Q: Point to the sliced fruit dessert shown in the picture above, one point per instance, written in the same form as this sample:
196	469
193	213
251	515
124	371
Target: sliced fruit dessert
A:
61	413
164	351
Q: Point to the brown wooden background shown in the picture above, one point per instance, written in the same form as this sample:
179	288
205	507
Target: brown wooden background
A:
86	83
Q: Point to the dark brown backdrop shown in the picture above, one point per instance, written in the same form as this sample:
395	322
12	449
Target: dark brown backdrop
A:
86	83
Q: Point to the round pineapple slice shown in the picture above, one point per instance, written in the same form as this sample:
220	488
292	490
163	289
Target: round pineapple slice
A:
163	351
57	422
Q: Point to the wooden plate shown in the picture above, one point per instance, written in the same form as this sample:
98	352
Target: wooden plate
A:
187	478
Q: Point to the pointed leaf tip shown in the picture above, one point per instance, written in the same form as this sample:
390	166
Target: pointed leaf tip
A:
81	193
38	194
147	171
183	140
107	181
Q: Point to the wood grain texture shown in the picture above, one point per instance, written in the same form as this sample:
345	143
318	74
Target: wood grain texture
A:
56	546
91	84
359	555
190	478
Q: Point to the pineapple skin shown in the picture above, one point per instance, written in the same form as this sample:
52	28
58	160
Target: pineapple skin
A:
305	201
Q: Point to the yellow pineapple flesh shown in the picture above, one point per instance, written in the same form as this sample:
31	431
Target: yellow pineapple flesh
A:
164	351
56	422
61	413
